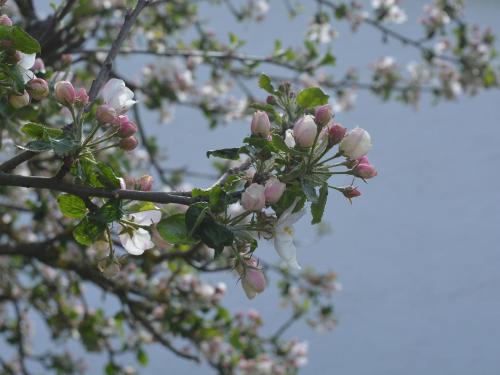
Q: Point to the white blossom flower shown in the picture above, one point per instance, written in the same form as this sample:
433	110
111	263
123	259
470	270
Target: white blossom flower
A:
117	95
26	63
138	240
289	139
283	235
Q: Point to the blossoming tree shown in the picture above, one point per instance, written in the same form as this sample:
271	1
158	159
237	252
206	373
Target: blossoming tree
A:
74	211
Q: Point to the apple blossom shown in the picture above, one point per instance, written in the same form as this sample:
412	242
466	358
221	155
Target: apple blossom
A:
26	62
283	235
323	114
105	114
117	95
260	124
356	143
65	92
274	189
305	131
137	240
38	88
253	198
19	101
129	143
289	139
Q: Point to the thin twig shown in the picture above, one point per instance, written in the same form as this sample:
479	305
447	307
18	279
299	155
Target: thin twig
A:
103	74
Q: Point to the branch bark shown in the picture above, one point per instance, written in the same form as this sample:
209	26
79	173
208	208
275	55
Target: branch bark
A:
87	191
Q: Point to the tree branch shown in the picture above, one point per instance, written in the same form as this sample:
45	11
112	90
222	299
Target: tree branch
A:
86	191
115	48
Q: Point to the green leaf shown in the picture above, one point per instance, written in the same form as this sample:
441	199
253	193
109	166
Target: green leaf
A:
309	190
173	230
318	207
23	41
203	225
88	231
35	130
20	39
72	206
64	146
107	176
37	146
107	213
328	59
312	97
225	153
142	357
265	84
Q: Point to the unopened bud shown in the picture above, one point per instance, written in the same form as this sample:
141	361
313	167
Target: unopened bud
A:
5	20
66	59
82	98
323	114
336	133
252	278
129	143
274	189
364	169
253	198
105	114
38	88
260	124
356	144
350	192
126	128
271	100
39	66
305	131
65	92
19	101
146	183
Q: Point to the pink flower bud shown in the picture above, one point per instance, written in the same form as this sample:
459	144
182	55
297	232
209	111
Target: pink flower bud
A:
305	131
323	114
260	124
271	100
274	189
336	133
364	169
126	128
65	92
82	98
350	192
19	101
129	143
66	59
253	198
5	20
38	88
105	114
39	66
146	183
356	144
253	279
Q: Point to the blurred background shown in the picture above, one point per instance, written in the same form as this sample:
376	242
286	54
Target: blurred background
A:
417	254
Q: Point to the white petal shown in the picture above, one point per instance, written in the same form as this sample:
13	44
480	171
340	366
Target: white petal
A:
283	243
27	61
138	243
146	218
